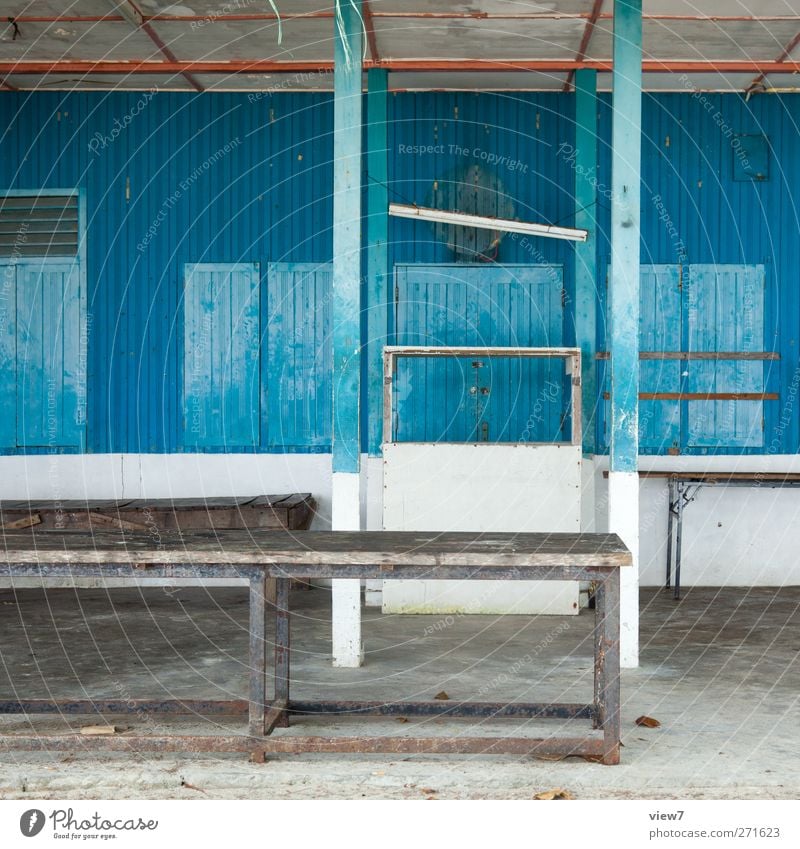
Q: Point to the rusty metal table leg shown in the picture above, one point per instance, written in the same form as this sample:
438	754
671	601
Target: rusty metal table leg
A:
670	514
258	654
680	503
599	653
607	689
282	647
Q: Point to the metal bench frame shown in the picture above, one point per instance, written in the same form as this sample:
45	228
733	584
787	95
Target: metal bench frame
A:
264	715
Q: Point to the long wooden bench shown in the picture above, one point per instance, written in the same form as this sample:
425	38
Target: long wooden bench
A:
280	556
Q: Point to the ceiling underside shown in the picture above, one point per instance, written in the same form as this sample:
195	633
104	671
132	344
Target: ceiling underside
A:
715	45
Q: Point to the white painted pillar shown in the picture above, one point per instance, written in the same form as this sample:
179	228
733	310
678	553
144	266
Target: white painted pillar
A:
623	519
348	650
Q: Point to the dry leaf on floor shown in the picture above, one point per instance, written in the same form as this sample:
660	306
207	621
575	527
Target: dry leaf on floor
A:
192	787
401	719
99	730
427	791
648	722
442	696
555	793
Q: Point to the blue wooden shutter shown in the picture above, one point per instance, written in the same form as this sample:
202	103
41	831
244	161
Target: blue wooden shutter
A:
8	355
299	360
221	386
725	312
49	366
659	330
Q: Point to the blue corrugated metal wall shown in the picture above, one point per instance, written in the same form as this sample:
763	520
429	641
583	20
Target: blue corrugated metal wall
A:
173	179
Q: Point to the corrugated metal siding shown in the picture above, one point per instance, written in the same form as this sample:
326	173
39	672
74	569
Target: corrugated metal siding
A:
267	199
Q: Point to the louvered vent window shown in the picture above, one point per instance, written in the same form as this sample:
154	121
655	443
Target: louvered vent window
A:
39	225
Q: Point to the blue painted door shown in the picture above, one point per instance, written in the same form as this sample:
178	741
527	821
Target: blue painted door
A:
480	399
725	312
221	355
42	355
299	354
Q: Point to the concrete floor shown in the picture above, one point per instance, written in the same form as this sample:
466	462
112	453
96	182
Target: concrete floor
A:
720	670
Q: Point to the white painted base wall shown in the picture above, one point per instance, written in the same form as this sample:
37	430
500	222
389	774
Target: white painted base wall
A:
481	487
732	537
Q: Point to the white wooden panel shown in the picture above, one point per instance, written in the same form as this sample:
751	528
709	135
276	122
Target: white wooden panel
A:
483	487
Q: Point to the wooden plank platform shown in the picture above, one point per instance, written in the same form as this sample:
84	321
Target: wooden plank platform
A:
384	551
292	511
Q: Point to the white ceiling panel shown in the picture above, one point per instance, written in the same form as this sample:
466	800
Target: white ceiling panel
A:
51	8
302	40
476	81
496	7
469	39
692	82
216	8
273	83
709	8
100	82
782	81
695	40
75	41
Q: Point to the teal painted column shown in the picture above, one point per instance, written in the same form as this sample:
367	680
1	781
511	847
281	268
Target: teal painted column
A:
377	249
346	304
623	310
586	252
346	308
626	142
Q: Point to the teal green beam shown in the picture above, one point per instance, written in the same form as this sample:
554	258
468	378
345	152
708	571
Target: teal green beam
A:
377	249
585	163
626	154
346	302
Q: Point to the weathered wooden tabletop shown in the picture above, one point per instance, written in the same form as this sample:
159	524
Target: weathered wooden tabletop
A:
396	548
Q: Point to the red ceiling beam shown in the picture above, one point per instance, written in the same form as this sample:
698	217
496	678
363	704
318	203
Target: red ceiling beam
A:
134	16
369	26
480	16
585	39
785	53
260	66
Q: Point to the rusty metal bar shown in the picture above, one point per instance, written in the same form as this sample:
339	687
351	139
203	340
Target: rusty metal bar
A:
599	654
608	650
282	646
302	571
590	746
699	355
785	53
258	654
268	66
276	716
591	23
452	710
201	707
133	743
705	396
554	15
